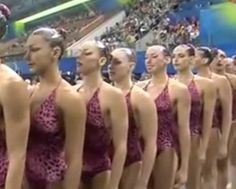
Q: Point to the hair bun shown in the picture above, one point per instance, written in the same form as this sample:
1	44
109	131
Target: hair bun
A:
4	16
5	11
190	45
214	52
62	32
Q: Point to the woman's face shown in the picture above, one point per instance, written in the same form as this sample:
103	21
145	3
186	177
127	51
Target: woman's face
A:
120	66
218	63
39	54
155	60
181	58
89	58
229	65
234	65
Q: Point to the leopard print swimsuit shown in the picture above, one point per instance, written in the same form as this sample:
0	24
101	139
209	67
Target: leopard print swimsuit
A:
196	109
45	162
3	159
167	136
97	141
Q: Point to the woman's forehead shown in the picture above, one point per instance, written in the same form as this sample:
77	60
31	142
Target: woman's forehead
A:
34	40
154	50
88	45
118	53
180	49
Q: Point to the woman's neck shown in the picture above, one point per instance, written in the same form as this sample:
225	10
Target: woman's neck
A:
204	72
51	77
184	76
93	80
125	84
159	78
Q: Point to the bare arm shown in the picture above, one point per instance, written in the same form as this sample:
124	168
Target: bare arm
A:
15	102
226	101
74	112
183	113
147	117
234	88
119	121
209	100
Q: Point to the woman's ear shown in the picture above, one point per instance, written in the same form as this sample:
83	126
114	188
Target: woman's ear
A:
102	61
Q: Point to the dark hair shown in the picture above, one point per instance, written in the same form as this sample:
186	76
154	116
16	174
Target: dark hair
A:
5	11
214	52
190	50
165	51
4	16
56	38
206	53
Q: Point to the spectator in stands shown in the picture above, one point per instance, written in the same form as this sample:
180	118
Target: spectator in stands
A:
72	22
141	18
181	33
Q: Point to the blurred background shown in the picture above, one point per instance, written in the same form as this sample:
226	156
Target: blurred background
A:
128	23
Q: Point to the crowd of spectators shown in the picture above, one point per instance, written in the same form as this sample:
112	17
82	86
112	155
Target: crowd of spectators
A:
28	7
72	23
141	18
185	31
149	15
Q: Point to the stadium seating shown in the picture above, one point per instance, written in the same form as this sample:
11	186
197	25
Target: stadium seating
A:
171	21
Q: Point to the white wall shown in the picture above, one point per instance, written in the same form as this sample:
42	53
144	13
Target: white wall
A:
97	32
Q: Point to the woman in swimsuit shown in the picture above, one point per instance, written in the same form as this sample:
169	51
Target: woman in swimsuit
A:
58	114
14	118
219	66
203	97
230	71
172	101
107	121
142	121
218	143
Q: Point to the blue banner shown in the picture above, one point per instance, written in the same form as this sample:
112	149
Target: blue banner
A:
217	28
66	65
69	66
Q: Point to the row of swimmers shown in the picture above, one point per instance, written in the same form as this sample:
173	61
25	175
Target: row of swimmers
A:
161	133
